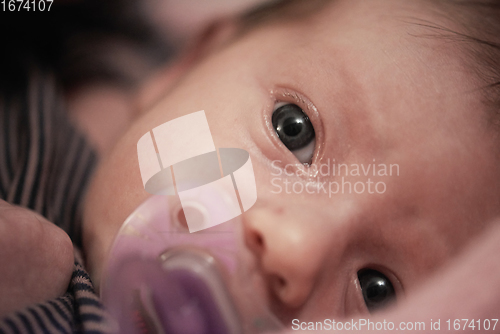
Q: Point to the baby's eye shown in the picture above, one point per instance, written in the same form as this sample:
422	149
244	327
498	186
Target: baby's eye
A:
295	130
377	289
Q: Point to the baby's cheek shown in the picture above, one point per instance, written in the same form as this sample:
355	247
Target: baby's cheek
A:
116	190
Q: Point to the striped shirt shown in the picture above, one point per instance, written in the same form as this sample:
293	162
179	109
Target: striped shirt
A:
45	166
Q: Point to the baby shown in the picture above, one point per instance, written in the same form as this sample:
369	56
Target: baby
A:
371	84
394	86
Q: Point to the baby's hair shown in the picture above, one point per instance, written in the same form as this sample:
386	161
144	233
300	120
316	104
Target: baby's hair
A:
478	34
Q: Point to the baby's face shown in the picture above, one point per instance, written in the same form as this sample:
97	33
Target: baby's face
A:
377	93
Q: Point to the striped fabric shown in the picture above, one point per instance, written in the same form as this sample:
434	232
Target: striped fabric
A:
78	311
45	165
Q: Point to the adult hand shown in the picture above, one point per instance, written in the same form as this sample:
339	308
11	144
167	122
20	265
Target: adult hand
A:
36	258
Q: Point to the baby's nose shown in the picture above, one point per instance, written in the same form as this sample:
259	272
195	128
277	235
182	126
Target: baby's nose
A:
287	251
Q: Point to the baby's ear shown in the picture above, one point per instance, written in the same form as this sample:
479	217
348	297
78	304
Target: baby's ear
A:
212	38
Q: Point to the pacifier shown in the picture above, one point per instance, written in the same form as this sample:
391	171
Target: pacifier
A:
161	278
178	264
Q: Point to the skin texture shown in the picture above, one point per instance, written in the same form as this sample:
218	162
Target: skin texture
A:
375	89
36	261
442	297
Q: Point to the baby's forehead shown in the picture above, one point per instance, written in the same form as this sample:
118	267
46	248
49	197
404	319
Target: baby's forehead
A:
316	23
292	12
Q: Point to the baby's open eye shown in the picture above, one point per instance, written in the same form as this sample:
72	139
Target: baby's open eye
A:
295	130
377	289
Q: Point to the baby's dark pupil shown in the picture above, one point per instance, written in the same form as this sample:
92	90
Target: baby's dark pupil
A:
293	127
377	289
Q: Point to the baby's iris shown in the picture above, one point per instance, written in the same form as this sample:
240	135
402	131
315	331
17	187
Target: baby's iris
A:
377	289
295	130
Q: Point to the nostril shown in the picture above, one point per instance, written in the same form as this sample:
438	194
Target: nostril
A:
259	240
278	285
281	282
255	241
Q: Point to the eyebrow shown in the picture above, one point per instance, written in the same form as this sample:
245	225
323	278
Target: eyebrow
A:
278	11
